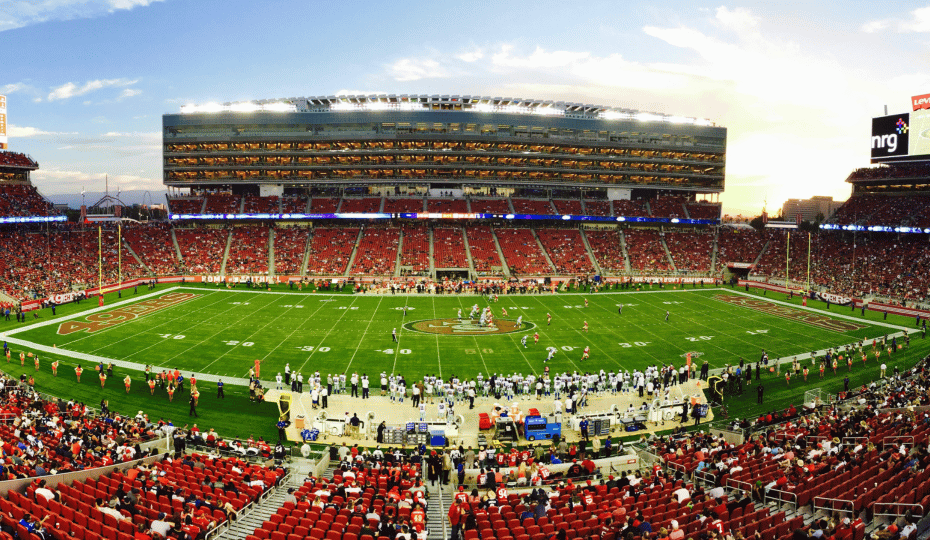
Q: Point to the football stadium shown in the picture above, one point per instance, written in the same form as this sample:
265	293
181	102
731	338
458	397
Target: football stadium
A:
466	317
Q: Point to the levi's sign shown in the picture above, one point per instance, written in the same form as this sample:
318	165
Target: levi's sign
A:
921	102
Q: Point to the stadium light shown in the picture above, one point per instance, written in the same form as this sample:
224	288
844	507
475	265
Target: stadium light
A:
244	107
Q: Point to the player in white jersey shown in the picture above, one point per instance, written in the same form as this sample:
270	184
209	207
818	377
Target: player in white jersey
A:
551	353
523	341
520	321
460	314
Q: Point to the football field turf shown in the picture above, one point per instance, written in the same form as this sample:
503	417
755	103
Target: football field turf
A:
221	332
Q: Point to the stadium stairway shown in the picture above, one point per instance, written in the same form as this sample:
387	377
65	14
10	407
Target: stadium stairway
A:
668	253
440	499
129	249
229	236
358	239
432	260
587	247
500	253
471	262
306	260
626	256
542	248
761	253
177	248
510	205
253	519
271	251
713	253
400	251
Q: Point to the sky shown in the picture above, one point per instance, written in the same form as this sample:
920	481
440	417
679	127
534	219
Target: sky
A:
795	83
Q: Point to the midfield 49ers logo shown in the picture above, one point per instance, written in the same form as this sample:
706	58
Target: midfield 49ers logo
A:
466	327
101	321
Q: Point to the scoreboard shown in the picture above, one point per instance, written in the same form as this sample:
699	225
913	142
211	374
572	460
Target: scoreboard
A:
903	137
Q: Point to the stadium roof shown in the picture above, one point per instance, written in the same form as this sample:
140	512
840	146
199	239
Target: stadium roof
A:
423	102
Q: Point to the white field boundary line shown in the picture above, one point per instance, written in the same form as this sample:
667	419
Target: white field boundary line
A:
821	312
58	320
821	352
93	359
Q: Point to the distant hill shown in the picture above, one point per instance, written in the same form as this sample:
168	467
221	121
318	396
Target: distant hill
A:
73	200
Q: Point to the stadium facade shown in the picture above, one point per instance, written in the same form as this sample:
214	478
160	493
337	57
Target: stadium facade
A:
289	146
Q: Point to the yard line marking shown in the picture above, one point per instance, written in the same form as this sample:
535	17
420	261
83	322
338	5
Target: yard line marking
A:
299	326
225	329
132	336
366	333
333	327
477	346
776	338
438	360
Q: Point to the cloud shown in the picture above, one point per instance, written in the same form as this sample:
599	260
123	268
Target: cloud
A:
69	89
128	93
23	132
919	22
471	56
414	69
20	13
739	19
66	181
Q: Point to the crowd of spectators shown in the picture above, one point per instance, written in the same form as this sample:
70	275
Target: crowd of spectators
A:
566	250
489	206
521	252
330	250
483	251
645	250
202	248
16	159
672	206
248	250
449	248
23	200
607	250
152	243
691	251
407	205
376	253
533	206
290	243
415	252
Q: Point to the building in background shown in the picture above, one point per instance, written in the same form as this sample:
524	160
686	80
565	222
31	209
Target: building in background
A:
810	209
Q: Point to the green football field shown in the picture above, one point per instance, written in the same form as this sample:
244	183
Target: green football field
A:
220	332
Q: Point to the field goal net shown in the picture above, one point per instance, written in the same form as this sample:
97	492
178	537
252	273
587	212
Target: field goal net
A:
814	398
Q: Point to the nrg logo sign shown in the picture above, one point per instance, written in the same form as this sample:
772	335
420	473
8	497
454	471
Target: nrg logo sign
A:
890	136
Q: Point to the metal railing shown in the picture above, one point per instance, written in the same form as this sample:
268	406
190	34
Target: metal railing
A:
889	506
846	506
781	498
